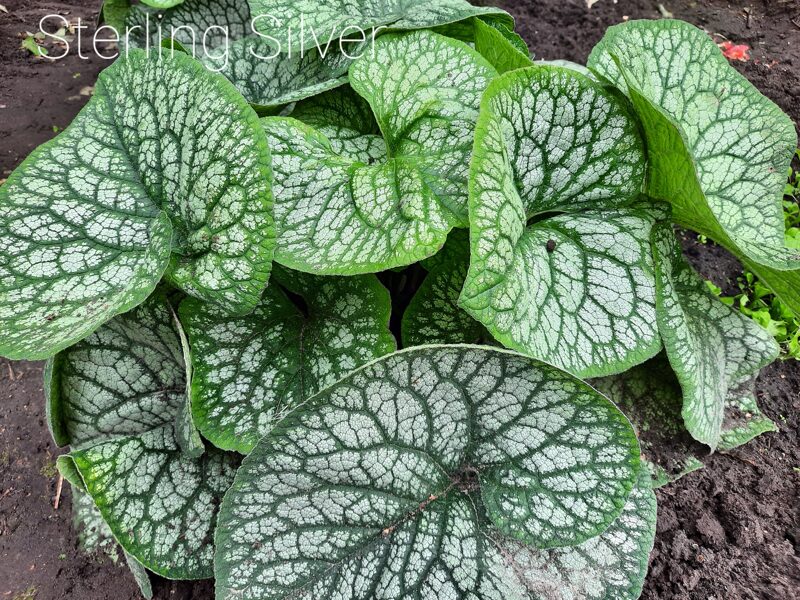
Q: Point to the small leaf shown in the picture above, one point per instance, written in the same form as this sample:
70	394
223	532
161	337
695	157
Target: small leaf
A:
162	3
718	148
349	200
31	46
711	346
377	482
141	184
250	372
119	395
321	21
503	48
114	13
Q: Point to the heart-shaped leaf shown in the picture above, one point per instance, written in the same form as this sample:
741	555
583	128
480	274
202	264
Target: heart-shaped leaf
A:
575	290
712	347
117	398
304	24
250	372
718	148
349	201
379	482
142	182
433	315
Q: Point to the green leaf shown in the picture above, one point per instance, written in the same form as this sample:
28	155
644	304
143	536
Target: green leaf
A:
503	48
785	284
377	483
718	148
269	80
29	44
114	13
611	565
141	184
349	201
250	372
120	396
195	24
711	346
433	315
296	25
162	3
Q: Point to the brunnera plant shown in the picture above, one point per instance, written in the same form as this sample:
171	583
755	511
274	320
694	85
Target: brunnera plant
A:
221	258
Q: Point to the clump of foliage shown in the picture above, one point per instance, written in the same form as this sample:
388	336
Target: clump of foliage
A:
219	298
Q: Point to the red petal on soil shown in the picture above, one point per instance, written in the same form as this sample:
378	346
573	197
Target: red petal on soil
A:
733	51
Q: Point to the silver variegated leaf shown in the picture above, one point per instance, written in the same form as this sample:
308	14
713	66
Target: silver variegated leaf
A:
349	203
576	290
712	347
117	398
145	182
250	372
376	487
718	148
296	25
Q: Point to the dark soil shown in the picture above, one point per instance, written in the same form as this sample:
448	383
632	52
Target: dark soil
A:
728	532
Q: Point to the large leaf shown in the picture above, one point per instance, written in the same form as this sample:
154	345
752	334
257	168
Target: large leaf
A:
718	149
433	315
166	169
650	395
196	24
296	25
264	76
575	290
349	203
611	565
250	372
117	398
388	480
712	347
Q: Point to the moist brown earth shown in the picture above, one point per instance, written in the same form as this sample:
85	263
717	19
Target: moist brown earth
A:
728	532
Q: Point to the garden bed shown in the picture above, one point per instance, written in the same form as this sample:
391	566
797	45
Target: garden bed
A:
728	531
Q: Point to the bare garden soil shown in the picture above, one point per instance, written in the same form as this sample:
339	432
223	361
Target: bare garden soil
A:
728	532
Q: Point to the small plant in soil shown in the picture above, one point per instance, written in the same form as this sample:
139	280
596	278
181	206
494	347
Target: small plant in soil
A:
319	326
